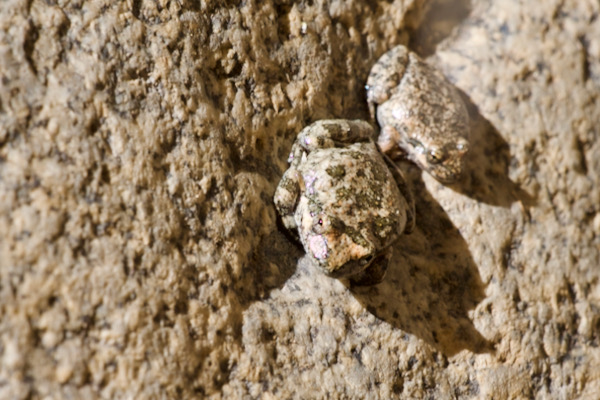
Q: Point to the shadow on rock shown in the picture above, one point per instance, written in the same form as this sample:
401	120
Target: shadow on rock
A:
485	178
274	263
431	284
443	16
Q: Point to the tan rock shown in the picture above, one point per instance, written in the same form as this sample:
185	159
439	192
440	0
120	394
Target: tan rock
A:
140	145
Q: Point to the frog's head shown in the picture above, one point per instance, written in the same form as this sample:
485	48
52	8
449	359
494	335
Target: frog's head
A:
444	162
338	249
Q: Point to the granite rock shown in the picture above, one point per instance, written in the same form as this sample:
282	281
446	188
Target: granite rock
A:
140	253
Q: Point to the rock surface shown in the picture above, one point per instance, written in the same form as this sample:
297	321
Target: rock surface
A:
140	256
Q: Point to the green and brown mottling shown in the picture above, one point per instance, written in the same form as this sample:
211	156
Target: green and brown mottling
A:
337	171
420	114
346	205
383	226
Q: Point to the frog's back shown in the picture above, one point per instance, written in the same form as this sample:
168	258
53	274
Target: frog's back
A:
357	188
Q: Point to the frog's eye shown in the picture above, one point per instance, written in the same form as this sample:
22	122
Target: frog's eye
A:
435	156
321	224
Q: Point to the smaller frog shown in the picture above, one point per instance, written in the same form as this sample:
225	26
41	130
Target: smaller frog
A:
347	202
420	113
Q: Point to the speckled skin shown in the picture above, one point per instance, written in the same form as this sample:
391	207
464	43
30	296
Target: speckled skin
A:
420	113
347	202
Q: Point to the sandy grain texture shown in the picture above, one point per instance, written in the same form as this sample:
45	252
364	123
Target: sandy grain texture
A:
140	255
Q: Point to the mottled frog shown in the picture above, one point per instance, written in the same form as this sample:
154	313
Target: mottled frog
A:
345	200
420	113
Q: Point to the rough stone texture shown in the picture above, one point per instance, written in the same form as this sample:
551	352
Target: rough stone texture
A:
140	145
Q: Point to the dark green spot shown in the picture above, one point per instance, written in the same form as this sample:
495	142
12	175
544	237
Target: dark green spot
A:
372	197
384	226
337	225
357	155
380	172
342	194
314	207
356	236
336	171
334	130
289	185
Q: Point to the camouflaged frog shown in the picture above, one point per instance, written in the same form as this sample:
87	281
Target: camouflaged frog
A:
420	113
347	202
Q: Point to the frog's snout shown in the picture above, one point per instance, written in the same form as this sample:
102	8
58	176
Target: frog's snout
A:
453	165
337	254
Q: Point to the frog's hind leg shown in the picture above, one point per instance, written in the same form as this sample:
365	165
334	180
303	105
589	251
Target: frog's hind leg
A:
286	198
385	76
375	272
406	192
329	133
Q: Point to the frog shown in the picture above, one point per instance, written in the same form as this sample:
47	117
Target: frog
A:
420	114
345	201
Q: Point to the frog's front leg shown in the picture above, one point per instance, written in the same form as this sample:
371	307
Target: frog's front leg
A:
385	76
388	139
334	132
286	198
375	272
405	192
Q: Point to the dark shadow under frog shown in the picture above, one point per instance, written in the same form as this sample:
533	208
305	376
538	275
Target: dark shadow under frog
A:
432	282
